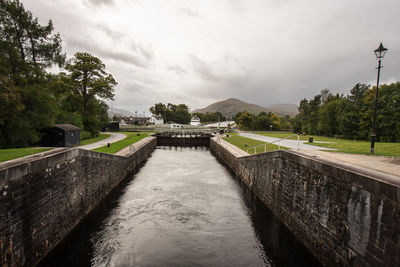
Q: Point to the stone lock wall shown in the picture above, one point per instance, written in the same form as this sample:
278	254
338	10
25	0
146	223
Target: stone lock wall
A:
42	200
344	217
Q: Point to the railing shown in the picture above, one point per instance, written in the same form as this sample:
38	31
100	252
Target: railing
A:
279	144
185	132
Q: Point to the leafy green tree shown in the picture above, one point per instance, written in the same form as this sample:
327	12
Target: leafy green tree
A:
159	109
26	47
88	79
245	120
388	113
327	116
27	50
350	114
172	113
263	121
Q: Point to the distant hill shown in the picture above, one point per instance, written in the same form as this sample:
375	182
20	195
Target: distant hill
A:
232	106
119	112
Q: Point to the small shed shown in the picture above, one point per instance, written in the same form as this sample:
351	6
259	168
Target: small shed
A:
61	135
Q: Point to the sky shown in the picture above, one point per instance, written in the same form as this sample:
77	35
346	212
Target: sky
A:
199	52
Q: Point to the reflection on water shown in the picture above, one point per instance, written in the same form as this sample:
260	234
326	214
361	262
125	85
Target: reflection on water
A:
182	208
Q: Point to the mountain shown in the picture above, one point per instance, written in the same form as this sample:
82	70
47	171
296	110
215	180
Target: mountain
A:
232	106
286	109
119	112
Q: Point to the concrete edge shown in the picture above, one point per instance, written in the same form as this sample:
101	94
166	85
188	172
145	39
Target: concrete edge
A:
369	173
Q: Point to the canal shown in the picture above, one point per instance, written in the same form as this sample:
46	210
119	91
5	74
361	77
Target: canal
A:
182	208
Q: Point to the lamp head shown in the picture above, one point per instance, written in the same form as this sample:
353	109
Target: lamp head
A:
380	51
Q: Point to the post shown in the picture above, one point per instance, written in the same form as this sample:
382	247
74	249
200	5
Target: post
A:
265	148
376	104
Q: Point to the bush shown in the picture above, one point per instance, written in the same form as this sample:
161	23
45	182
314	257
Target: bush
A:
85	135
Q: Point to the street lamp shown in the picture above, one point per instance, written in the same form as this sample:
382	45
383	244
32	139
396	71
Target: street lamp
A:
379	53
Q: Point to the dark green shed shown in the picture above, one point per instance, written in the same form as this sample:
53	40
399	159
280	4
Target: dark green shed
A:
61	135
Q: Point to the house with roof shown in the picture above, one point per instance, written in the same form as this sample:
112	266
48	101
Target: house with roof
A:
157	120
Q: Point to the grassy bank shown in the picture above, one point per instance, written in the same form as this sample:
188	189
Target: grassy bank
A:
345	146
244	143
131	138
95	139
13	153
363	147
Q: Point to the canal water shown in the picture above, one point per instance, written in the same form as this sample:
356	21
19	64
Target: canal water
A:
182	208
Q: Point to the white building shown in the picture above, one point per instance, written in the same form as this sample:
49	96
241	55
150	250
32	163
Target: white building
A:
195	121
157	120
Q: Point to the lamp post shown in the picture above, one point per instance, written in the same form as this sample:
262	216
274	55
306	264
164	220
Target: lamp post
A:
379	53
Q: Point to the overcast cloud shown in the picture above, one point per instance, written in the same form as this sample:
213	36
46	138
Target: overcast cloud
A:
199	52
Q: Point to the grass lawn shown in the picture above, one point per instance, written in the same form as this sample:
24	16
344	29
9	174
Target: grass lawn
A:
13	153
95	139
131	138
363	147
346	146
294	137
240	142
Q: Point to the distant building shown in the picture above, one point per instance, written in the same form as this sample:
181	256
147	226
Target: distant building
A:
195	121
157	120
176	125
61	135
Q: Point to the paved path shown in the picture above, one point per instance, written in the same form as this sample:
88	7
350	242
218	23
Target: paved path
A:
294	144
112	139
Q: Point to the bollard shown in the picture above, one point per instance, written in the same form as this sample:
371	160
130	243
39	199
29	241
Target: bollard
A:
108	144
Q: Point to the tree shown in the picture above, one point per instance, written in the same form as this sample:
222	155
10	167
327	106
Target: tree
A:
327	116
27	50
88	79
350	114
26	47
172	113
245	120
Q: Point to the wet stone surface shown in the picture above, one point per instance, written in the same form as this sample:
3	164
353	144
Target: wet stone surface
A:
182	208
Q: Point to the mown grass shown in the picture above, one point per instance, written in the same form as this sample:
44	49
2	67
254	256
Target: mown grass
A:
346	146
13	153
95	139
131	138
244	143
363	147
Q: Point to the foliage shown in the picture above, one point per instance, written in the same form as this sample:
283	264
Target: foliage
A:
210	116
27	50
261	122
172	113
31	97
87	80
351	116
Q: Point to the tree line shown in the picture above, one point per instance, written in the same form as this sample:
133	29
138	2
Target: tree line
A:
262	122
33	97
350	116
210	116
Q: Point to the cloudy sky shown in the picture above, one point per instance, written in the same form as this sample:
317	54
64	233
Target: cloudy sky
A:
198	52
